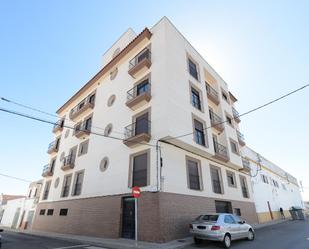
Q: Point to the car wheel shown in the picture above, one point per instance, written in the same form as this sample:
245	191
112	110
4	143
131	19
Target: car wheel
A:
227	241
197	241
251	235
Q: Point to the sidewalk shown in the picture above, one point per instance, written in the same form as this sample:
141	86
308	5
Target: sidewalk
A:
127	243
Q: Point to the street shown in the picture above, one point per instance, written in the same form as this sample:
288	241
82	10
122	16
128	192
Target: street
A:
288	235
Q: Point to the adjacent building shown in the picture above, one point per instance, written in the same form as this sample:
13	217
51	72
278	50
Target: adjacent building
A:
154	117
18	211
273	188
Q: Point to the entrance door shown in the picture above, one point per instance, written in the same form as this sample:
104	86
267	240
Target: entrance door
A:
128	218
141	125
29	219
15	219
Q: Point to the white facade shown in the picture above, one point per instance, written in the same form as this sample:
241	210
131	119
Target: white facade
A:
272	187
171	115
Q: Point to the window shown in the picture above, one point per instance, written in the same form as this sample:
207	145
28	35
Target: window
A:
63	212
275	183
264	179
87	123
46	190
229	120
283	186
57	143
199	135
229	219
237	211
195	99
50	212
140	164
231	181
83	148
92	98
223	207
142	87
216	180
78	182
244	187
141	125
234	147
194	175
224	96
42	212
29	195
52	165
66	185
193	69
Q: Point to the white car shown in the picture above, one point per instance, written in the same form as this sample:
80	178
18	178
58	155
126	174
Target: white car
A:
222	227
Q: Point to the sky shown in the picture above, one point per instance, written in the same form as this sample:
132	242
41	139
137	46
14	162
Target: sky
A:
49	49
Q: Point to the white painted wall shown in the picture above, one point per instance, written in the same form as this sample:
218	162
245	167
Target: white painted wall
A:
262	192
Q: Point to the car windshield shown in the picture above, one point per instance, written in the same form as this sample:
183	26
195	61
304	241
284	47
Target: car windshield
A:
208	217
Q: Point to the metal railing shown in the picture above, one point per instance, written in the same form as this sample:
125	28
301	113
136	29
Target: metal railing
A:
144	54
240	136
211	91
136	91
245	163
215	119
136	128
217	186
68	160
46	168
88	101
220	150
59	124
53	145
235	113
82	127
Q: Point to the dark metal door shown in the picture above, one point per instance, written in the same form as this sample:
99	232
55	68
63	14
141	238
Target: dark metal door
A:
128	218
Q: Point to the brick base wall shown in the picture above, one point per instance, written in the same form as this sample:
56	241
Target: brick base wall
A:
162	216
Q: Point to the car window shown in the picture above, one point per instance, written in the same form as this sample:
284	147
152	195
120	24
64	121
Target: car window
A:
229	219
210	217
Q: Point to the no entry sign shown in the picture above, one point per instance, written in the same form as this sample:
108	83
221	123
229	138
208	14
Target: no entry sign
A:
136	192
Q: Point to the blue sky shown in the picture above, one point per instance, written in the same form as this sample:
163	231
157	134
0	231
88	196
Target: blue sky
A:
49	49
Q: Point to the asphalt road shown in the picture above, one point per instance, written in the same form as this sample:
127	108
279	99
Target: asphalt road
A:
12	240
288	235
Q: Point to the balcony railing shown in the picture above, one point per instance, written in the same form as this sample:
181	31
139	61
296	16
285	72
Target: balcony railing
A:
82	129
212	94
48	170
245	164
141	62
137	132
236	115
221	152
216	121
241	138
53	146
86	104
138	95
68	162
58	125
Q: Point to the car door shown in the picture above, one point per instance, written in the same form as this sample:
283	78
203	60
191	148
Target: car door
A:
232	226
243	228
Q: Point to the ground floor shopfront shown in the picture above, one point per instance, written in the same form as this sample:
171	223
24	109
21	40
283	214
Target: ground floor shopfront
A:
161	216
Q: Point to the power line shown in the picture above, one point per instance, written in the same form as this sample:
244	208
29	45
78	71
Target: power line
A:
245	113
16	178
69	127
47	113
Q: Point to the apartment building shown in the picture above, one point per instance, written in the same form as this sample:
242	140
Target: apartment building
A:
160	97
273	188
18	211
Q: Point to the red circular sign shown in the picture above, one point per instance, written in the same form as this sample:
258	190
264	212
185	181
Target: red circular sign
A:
136	192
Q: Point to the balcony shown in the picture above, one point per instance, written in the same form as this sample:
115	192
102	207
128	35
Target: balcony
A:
246	165
236	115
212	94
221	152
48	170
83	106
241	138
216	121
53	147
68	162
140	63
138	96
82	129
138	132
58	126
